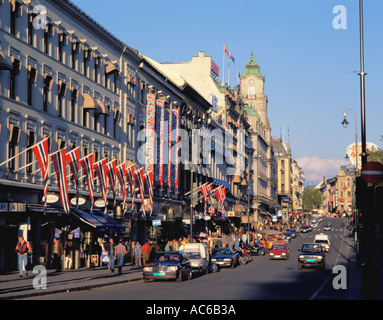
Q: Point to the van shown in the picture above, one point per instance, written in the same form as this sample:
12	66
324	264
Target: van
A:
324	241
269	237
198	255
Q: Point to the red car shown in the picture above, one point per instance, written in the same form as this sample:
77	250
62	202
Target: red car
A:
279	251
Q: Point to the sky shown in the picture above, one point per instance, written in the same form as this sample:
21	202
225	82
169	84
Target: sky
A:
310	67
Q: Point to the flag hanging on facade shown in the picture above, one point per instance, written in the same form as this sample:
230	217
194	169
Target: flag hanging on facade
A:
204	194
150	131
110	166
210	192
160	115
73	159
140	179
119	172
131	175
59	162
87	166
149	188
41	152
76	233
100	169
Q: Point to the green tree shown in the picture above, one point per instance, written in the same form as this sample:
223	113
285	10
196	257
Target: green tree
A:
312	198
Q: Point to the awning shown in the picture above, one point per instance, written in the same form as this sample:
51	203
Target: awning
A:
108	221
219	182
5	63
88	219
93	104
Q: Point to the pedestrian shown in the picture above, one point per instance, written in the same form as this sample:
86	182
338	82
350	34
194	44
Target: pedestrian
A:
57	254
132	245
137	254
23	248
119	254
68	255
168	246
110	247
146	249
176	245
236	243
230	241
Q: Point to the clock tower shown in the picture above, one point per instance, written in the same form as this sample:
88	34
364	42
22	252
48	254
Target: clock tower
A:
252	90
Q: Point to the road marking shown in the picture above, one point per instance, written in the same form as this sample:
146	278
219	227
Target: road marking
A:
329	277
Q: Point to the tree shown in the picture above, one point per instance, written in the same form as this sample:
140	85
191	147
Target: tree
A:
312	198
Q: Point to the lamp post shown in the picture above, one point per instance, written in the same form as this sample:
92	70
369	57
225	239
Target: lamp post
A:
345	123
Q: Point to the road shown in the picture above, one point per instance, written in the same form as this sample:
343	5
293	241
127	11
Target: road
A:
262	279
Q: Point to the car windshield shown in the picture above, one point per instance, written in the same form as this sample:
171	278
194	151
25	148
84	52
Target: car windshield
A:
312	248
278	247
193	255
275	236
167	257
321	241
221	251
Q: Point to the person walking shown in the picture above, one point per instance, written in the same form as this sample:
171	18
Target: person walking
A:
57	254
23	248
133	244
137	254
68	255
119	254
230	241
236	242
146	249
110	247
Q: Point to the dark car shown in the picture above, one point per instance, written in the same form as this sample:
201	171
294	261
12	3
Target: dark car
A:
311	255
293	232
168	265
224	257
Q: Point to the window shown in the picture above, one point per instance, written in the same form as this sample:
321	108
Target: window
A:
75	50
31	16
48	81
14	135
13	77
32	75
60	98
73	101
30	156
60	48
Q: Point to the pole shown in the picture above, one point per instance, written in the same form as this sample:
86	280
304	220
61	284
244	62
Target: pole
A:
362	85
248	212
191	206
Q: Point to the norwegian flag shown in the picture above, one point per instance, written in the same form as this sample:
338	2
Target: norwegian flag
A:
110	166
220	192
131	175
87	166
119	172
204	193
73	159
149	188
59	162
41	151
100	168
209	189
141	179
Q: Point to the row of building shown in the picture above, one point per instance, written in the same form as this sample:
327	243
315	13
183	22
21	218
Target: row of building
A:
66	78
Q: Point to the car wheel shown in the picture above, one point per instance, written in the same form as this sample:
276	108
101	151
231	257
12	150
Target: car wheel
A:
261	252
180	278
214	267
242	260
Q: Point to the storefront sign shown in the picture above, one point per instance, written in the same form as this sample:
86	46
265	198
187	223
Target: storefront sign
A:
13	207
156	222
3	207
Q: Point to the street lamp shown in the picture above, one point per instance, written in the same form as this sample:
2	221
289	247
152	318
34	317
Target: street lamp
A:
345	123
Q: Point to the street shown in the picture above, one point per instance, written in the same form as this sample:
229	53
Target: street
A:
261	279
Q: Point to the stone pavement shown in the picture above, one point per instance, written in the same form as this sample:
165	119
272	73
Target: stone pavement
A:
12	286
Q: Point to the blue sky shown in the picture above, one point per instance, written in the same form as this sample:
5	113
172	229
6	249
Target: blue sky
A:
308	65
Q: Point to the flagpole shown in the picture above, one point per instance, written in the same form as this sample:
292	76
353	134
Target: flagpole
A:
223	68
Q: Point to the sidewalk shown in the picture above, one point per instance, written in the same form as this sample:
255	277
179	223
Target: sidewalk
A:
14	287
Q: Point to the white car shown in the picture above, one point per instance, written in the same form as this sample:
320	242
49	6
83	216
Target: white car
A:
324	241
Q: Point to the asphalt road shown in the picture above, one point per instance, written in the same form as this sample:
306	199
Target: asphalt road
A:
262	279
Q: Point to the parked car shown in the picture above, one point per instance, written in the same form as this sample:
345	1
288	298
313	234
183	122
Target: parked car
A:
198	255
311	255
327	227
168	265
224	257
279	251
